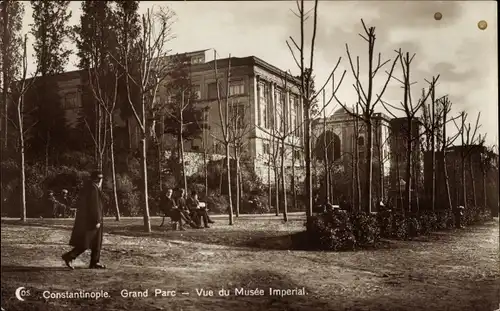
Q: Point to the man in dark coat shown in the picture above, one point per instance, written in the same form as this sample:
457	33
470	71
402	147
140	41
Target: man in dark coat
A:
197	212
88	228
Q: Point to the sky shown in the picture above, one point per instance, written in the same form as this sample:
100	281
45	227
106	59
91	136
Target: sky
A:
453	47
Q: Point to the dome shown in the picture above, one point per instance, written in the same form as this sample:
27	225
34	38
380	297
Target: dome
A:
340	112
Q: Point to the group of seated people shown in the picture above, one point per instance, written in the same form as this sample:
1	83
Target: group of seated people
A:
60	206
182	210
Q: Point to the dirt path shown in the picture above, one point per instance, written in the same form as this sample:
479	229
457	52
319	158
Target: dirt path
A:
455	270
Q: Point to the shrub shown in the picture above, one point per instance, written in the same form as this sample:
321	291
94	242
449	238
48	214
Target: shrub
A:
217	204
128	197
400	227
366	229
413	226
445	219
254	204
385	221
428	222
330	231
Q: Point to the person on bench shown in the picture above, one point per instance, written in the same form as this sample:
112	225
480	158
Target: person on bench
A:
170	209
198	213
182	204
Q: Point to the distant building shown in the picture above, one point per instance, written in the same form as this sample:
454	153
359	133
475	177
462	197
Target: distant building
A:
264	97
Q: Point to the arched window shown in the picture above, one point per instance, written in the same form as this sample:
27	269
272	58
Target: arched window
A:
361	141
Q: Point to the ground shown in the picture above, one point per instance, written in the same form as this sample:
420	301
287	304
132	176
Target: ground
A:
452	270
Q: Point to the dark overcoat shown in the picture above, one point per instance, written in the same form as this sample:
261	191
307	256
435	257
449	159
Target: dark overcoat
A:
89	213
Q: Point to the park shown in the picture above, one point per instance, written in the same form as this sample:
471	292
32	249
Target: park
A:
450	270
337	164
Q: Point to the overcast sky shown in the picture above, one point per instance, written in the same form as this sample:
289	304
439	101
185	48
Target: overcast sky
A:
454	47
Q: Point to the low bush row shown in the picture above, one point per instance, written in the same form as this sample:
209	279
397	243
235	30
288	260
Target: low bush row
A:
338	230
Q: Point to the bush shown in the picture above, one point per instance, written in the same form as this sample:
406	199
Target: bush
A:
400	227
445	219
385	221
254	204
476	215
365	228
330	231
217	204
413	227
428	222
128	197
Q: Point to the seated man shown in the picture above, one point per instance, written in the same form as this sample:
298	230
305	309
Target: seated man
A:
53	205
170	209
198	213
182	204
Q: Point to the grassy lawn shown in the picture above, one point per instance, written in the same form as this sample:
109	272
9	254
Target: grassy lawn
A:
452	270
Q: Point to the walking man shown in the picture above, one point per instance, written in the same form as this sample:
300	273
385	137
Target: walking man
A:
88	228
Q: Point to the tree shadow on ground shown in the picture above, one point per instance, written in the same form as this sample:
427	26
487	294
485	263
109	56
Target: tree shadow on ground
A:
10	268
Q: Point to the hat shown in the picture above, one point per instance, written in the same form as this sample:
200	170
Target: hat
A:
96	175
64	191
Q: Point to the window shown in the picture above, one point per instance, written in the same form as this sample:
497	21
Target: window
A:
280	110
266	149
361	155
197	91
212	91
72	101
237	88
237	115
263	90
197	60
297	155
361	141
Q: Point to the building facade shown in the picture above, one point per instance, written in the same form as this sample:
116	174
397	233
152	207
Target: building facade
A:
263	97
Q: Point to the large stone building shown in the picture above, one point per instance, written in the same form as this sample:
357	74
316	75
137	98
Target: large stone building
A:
389	148
263	96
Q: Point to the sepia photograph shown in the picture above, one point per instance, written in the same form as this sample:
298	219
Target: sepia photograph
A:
249	155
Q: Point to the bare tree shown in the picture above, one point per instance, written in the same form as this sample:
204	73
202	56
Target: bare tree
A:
238	129
431	119
410	109
153	69
468	135
103	82
223	105
368	100
308	94
445	143
19	89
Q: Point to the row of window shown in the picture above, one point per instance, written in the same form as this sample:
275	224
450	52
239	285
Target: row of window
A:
276	113
267	150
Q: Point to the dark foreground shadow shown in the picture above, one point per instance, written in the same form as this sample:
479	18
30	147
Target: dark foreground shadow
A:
32	269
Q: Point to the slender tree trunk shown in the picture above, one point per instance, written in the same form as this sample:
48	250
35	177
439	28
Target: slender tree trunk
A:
445	166
228	167
463	180
22	173
276	190
400	193
269	189
144	167
369	167
47	153
433	152
5	64
409	153
238	194
113	167
181	145
283	181
473	181
485	193
205	162
307	151
159	166
241	190
293	178
325	153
